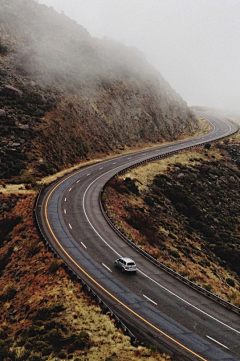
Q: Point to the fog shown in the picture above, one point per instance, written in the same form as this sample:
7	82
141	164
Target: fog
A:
195	44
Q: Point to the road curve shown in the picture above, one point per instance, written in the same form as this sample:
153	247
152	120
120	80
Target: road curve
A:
151	302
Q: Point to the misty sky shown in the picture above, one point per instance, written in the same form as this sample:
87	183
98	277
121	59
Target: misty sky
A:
195	44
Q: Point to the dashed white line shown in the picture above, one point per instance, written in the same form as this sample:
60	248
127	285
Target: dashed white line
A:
144	274
107	267
65	200
65	211
88	174
149	299
70	225
78	181
83	245
219	343
114	163
100	168
69	189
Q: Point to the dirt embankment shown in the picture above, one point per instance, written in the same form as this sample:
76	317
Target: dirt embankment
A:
44	315
185	212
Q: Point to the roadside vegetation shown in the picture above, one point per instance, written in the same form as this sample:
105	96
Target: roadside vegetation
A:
44	314
185	211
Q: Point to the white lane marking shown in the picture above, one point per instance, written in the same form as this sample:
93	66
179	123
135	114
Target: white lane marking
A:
65	200
88	174
84	210
219	343
100	168
107	267
78	181
145	275
65	211
69	189
83	245
149	299
114	163
188	303
70	225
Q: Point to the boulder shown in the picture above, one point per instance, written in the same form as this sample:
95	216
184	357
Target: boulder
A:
12	92
24	126
2	113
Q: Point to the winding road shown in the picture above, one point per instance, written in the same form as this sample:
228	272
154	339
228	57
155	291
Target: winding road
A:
152	303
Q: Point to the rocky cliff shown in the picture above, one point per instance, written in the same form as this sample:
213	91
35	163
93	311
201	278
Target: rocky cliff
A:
65	96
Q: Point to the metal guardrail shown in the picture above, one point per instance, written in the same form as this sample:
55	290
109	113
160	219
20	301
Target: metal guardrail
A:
105	308
200	289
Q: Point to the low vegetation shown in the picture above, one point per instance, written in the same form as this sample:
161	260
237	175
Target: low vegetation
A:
66	97
44	314
184	211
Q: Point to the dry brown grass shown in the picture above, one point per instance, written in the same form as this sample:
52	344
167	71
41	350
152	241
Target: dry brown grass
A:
212	276
36	286
145	174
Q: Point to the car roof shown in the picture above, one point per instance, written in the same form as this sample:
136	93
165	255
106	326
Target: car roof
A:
127	259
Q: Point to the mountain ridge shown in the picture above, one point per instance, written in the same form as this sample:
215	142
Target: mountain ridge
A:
76	96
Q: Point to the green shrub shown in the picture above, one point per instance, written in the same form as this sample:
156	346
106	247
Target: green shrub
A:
35	358
119	185
33	248
47	350
62	355
182	208
47	313
207	287
207	146
54	266
204	263
3	333
81	341
5	350
55	338
149	201
3	48
174	253
230	282
28	346
131	186
9	294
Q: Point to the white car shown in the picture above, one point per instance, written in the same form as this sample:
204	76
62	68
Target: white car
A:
126	264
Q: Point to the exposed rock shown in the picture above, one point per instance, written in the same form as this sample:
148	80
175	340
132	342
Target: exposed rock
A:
12	92
24	126
180	175
81	97
2	113
15	144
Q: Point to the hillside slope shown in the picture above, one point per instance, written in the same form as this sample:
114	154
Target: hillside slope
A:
184	211
44	315
65	96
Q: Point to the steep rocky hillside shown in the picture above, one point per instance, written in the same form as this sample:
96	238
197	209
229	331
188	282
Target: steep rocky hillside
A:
185	211
65	96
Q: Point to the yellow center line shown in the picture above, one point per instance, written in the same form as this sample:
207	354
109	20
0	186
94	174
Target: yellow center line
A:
101	287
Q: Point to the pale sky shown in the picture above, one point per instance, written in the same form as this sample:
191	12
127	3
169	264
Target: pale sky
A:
195	44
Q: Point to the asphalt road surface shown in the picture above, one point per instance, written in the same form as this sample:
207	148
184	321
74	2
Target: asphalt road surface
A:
151	303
